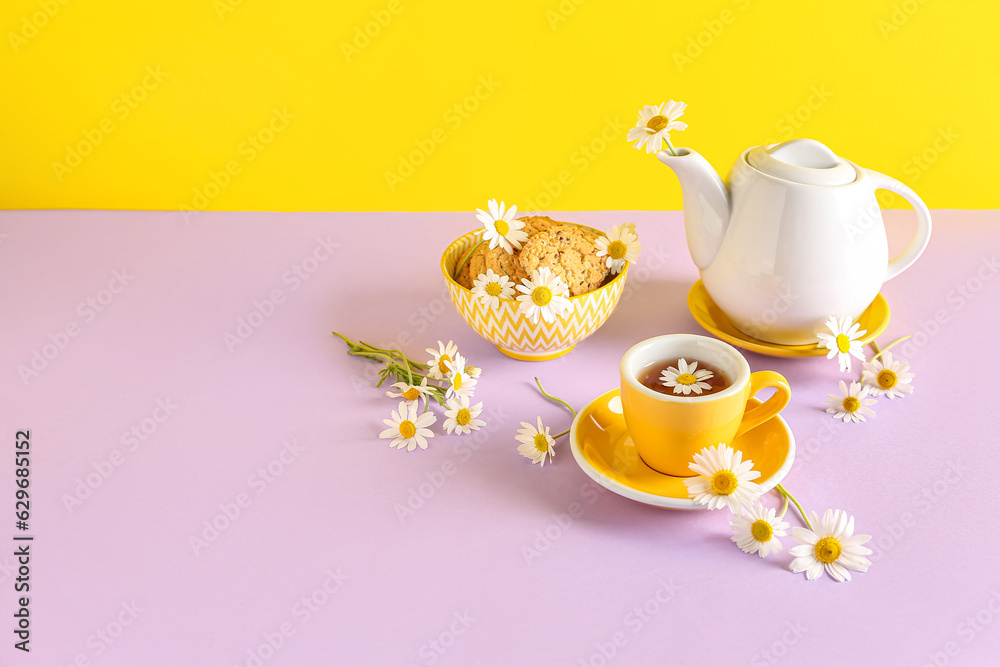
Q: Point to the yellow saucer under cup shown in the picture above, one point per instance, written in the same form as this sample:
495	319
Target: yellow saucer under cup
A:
670	428
601	446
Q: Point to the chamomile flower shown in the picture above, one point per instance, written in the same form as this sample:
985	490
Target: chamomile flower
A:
756	530
887	377
621	245
544	295
407	429
460	383
461	418
473	371
852	404
654	125
489	288
536	443
724	479
686	378
844	342
500	227
439	360
411	393
831	546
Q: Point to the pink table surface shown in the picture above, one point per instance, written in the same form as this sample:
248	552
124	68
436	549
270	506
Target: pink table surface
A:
316	565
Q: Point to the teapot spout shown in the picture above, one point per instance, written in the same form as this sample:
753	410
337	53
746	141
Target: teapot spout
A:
706	203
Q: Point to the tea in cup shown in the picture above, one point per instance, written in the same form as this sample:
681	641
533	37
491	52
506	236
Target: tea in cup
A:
701	399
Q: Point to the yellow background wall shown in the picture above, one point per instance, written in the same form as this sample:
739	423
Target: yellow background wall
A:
435	105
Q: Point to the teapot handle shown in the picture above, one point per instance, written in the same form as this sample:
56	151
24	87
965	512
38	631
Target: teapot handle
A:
903	260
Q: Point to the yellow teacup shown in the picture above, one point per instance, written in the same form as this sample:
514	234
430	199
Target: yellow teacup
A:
669	429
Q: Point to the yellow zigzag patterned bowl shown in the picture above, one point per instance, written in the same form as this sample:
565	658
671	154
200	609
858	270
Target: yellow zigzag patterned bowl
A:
514	334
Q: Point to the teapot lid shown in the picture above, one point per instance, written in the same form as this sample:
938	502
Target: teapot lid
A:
802	161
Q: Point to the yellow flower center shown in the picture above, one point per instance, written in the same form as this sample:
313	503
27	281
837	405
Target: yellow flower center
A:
657	123
724	482
442	363
493	289
761	530
616	250
686	378
843	343
411	394
541	296
407	428
851	404
457	382
828	549
887	379
541	443
463	417
502	227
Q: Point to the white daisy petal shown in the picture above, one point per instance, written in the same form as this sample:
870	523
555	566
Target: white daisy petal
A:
720	484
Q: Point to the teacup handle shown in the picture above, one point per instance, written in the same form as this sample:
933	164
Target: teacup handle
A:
758	415
903	260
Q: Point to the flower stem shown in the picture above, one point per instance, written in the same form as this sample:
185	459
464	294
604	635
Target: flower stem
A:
553	398
887	347
788	497
397	364
784	508
666	137
466	259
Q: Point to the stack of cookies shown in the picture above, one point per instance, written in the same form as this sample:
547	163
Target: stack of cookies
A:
569	251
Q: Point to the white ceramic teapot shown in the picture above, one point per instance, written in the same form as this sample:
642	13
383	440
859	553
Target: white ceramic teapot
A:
796	237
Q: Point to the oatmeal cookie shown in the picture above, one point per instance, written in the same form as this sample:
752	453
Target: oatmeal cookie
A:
537	223
570	253
499	260
465	275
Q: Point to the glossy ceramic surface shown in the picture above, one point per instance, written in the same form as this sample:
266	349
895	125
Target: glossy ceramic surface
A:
874	319
513	334
668	429
602	447
796	237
